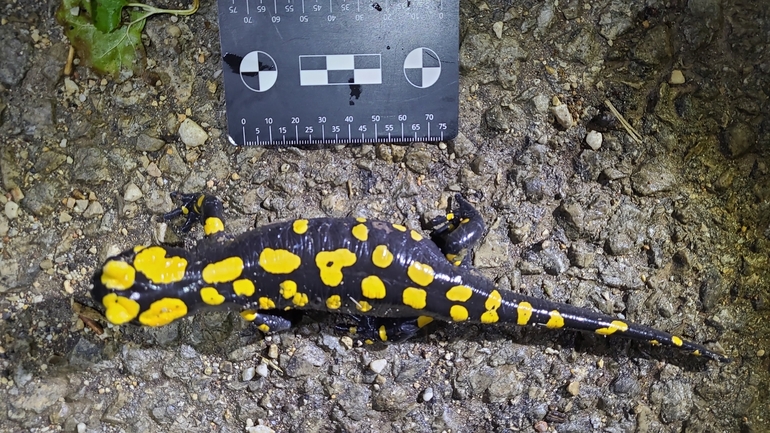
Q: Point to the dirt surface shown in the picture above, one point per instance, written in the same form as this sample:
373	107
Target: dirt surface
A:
671	230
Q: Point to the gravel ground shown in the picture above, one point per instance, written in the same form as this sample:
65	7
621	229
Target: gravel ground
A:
671	230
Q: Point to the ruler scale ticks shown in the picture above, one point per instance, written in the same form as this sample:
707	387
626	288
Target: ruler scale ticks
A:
367	65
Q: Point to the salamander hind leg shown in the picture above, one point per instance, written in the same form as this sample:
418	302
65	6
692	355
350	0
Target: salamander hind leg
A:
457	233
370	329
198	207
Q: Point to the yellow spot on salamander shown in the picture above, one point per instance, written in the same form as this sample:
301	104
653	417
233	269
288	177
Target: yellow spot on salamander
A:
163	312
278	261
420	273
381	257
361	219
458	313
363	306
330	264
223	271
119	309
266	303
459	293
300	227
199	202
416	236
263	327
360	232
415	298
158	268
300	299
383	333
288	289
243	287
696	352
451	257
677	341
615	325
493	302
372	287
523	313
490	316
139	248
213	225
249	315
655	342
117	275
334	302
450	216
211	296
423	321
556	321
399	227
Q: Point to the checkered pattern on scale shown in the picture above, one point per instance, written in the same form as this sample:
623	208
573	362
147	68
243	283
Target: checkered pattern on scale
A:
340	69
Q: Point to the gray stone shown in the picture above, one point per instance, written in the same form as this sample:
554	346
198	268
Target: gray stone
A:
91	165
42	197
619	244
497	119
594	140
39	396
49	161
461	146
562	115
15	54
554	260
713	290
305	361
146	143
570	216
655	47
418	159
475	51
581	255
392	397
652	178
172	164
738	139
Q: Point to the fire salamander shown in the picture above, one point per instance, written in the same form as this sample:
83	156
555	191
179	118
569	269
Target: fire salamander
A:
391	280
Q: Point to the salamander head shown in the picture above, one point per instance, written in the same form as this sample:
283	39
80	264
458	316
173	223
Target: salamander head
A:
143	283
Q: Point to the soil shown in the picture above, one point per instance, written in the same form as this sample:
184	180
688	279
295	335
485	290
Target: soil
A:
668	227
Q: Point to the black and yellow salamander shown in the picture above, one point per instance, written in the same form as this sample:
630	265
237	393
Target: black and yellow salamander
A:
391	280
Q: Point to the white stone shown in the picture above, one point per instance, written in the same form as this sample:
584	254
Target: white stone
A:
378	365
132	193
11	210
594	140
191	134
498	29
562	115
677	77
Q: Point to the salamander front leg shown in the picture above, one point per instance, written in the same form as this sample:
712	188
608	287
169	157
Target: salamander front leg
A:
273	320
371	329
457	233
198	207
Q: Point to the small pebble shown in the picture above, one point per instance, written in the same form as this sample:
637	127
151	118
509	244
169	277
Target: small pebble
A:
64	217
573	388
677	77
272	351
427	395
248	374
378	365
11	210
594	140
761	352
562	115
82	428
347	342
192	134
132	193
498	29
262	370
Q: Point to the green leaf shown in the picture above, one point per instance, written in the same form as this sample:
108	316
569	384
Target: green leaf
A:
107	14
109	53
